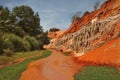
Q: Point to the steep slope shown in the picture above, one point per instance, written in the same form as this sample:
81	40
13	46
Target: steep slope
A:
110	7
91	31
108	54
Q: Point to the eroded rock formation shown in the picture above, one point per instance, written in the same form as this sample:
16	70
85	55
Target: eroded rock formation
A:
91	31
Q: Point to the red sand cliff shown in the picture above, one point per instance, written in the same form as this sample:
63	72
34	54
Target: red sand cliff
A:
108	54
112	55
110	7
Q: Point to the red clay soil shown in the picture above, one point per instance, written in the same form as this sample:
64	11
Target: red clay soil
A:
107	8
55	67
108	54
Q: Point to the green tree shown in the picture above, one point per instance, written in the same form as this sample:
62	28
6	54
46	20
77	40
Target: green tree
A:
27	20
86	13
43	39
96	5
32	41
4	16
8	22
77	15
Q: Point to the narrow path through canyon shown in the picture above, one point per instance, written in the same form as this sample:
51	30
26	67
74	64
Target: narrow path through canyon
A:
55	67
60	67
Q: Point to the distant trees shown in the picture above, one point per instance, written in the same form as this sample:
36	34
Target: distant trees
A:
18	30
87	12
77	15
96	5
54	29
6	17
43	40
22	20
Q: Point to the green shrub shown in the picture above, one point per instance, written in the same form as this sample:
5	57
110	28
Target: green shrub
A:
26	45
17	44
8	52
1	41
33	42
21	45
17	30
67	53
14	43
7	41
43	40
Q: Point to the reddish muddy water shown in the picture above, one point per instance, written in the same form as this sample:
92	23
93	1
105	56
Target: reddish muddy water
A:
55	67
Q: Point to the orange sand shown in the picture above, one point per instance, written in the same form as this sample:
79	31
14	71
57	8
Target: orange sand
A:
108	54
54	67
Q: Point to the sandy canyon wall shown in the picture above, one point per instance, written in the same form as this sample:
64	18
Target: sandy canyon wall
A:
90	32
